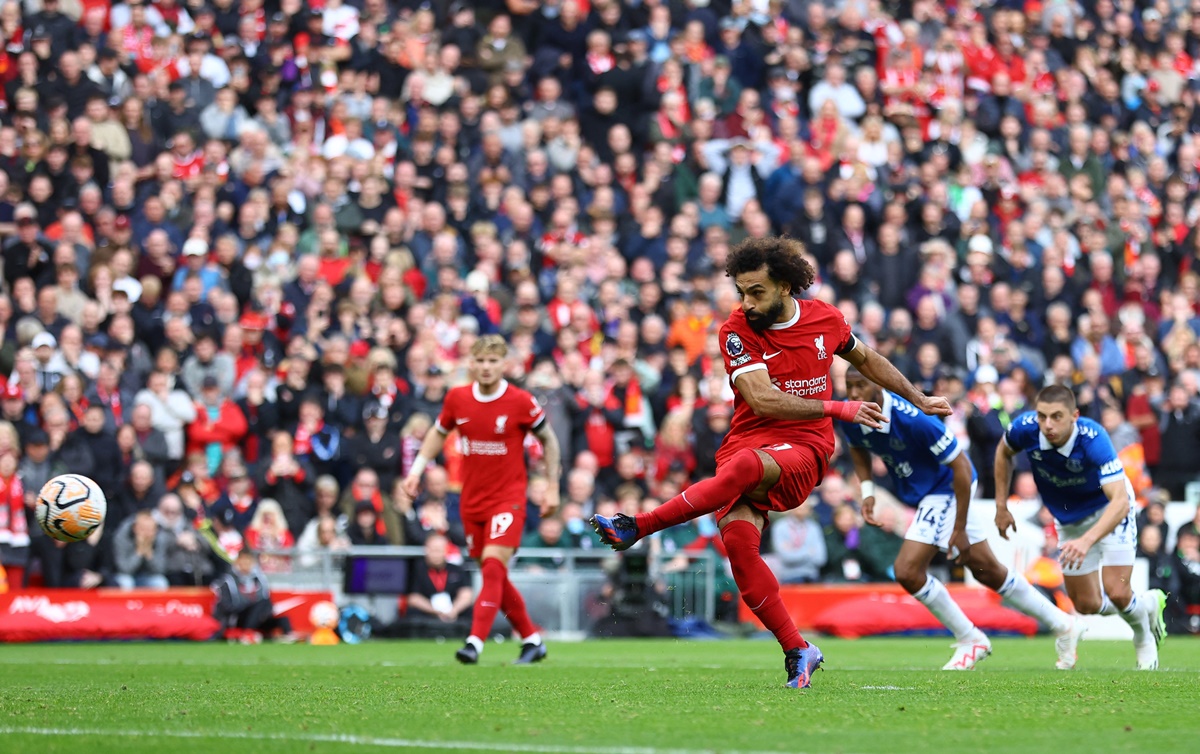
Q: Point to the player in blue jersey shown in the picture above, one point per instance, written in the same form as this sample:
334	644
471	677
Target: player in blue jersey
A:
930	472
1083	484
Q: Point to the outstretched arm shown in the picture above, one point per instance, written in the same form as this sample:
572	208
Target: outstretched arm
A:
767	400
884	374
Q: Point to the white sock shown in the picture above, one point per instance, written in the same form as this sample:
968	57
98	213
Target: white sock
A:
1033	603
476	642
935	597
534	639
1106	606
1136	617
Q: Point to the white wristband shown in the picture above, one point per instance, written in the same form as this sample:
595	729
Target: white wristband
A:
418	467
868	489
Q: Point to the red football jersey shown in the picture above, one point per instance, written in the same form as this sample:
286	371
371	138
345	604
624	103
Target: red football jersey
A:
797	355
491	438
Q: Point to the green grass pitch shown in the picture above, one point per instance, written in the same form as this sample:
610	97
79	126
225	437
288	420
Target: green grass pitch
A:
595	697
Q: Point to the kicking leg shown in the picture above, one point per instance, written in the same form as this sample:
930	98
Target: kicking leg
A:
1013	586
741	531
748	472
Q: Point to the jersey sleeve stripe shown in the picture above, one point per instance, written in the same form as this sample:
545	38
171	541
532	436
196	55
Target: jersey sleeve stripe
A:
748	368
540	422
945	440
437	424
1113	468
949	459
1112	478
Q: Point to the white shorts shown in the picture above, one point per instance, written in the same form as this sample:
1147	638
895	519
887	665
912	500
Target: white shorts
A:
934	522
1119	548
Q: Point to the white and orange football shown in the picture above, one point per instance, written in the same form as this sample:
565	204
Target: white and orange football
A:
70	507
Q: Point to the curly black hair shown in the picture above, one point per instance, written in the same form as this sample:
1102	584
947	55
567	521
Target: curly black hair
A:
782	256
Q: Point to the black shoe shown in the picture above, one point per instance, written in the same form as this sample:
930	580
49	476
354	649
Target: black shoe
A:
531	653
468	655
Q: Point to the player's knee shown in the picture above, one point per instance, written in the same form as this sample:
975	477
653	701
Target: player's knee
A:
912	576
745	466
1087	605
492	567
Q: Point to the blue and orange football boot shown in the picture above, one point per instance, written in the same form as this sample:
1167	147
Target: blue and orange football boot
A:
800	664
619	532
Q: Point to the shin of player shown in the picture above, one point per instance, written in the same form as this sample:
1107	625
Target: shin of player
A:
929	472
1082	483
777	351
492	419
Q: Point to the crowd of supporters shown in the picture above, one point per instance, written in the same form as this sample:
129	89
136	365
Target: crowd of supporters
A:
248	245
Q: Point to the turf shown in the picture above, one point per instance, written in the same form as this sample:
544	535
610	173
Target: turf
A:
603	697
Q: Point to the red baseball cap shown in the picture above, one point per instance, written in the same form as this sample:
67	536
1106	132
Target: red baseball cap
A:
253	321
360	349
12	391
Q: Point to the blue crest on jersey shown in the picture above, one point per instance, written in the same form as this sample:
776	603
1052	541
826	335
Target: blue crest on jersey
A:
733	345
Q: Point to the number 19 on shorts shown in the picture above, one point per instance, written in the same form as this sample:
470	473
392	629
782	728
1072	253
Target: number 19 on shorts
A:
500	524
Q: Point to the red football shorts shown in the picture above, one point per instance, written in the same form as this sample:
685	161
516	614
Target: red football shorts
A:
801	469
502	526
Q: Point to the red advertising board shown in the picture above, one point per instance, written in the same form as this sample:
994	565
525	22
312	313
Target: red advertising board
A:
95	615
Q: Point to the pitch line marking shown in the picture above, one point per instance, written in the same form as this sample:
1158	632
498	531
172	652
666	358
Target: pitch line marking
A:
353	740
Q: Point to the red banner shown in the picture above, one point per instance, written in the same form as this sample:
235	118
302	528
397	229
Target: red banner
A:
853	610
94	615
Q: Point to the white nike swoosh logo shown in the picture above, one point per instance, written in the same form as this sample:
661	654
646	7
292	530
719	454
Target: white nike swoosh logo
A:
281	607
461	421
769	356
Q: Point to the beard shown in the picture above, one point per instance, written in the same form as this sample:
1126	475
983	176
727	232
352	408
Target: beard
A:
762	321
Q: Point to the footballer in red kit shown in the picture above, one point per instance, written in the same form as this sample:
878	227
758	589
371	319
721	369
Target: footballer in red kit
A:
778	350
491	419
491	433
796	356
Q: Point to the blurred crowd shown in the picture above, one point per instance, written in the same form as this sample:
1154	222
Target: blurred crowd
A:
247	246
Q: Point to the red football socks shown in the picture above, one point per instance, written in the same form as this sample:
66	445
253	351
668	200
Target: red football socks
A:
739	476
759	587
513	605
491	595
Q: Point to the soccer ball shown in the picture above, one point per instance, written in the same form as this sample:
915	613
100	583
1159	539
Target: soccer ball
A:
324	615
70	507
